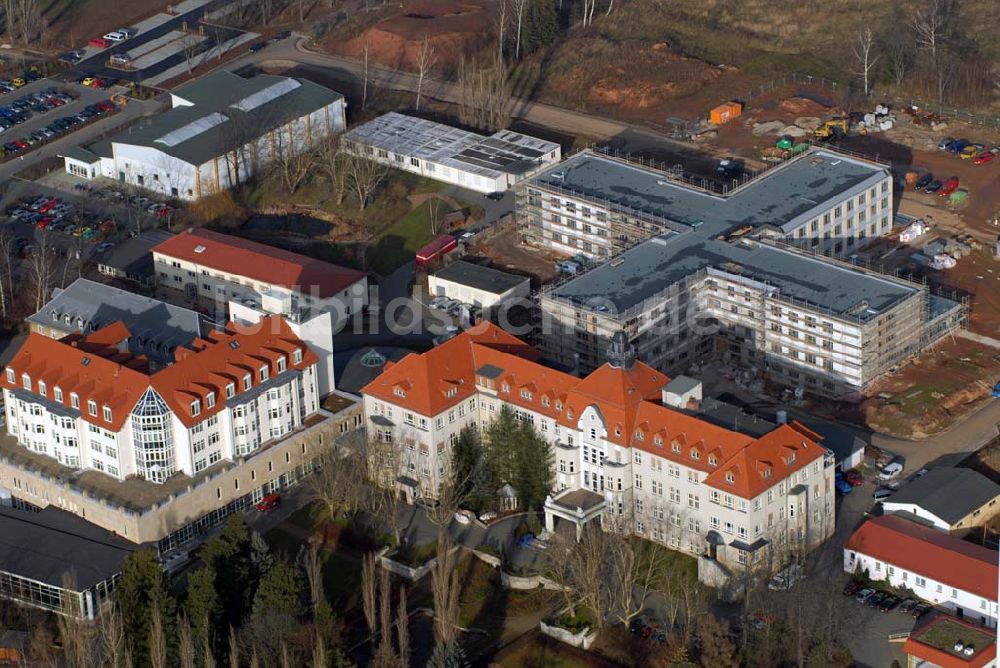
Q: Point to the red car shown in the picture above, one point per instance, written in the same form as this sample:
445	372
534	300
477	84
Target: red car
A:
984	158
107	226
21	144
99	42
97	83
48	206
854	478
43	223
269	502
950	186
105	106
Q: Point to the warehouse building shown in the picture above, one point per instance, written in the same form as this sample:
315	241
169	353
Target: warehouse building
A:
221	129
444	153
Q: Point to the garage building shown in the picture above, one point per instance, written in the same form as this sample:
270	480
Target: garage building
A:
477	285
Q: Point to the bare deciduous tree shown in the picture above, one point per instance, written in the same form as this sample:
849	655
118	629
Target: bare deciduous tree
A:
157	640
484	93
42	268
364	83
313	568
6	268
111	632
403	629
234	649
369	590
189	47
445	588
899	54
363	177
930	23
338	482
330	160
185	643
519	7
293	158
864	54
24	20
425	61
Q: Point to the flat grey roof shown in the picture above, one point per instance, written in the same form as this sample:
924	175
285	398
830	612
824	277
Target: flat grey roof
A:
505	152
948	493
157	328
48	545
649	268
223	108
135	254
480	277
681	384
731	417
782	197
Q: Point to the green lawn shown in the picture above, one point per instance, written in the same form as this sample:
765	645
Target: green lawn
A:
400	241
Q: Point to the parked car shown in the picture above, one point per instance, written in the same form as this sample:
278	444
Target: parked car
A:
919	610
116	36
852	588
948	187
881	494
99	42
863	595
120	59
889	603
933	187
259	46
269	502
985	157
958	146
854	477
971	151
843	487
924	181
906	606
890	470
786	578
876	599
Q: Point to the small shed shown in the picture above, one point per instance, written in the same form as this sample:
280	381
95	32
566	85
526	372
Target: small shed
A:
725	112
436	249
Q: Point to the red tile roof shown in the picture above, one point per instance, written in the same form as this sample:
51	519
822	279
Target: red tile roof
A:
627	399
92	367
984	653
929	553
259	262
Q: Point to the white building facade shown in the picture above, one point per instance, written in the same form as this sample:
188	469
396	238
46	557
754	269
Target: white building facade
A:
85	403
657	472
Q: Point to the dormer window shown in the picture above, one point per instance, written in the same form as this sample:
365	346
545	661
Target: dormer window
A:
230	390
57	394
525	394
505	387
107	414
10	375
618	430
545	402
263	373
399	392
92	407
74	400
569	414
658	441
42	387
247	382
712	461
790	459
281	364
297	356
730	478
676	447
452	392
26	381
766	473
695	454
558	405
210	400
639	436
195	407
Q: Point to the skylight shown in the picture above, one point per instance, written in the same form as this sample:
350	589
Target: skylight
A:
192	129
261	97
199	249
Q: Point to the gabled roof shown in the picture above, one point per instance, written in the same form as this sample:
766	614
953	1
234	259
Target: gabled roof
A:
92	367
947	493
628	400
928	552
259	262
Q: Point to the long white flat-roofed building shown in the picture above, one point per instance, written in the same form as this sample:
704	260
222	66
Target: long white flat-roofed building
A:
445	153
221	129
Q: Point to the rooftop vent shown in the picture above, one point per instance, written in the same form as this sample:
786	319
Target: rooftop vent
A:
85	361
199	249
234	344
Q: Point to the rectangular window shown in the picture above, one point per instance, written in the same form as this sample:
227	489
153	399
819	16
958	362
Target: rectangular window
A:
107	414
92	407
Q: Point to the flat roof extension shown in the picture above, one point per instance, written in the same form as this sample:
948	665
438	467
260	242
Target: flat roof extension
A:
480	277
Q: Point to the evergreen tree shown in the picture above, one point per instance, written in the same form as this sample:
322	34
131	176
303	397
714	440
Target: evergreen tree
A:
518	455
142	589
260	555
229	556
449	655
279	593
202	608
541	26
470	471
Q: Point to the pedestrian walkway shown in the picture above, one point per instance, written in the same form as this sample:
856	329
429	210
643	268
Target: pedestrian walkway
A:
979	338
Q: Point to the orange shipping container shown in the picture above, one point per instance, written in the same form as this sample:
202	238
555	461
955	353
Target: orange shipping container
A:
725	112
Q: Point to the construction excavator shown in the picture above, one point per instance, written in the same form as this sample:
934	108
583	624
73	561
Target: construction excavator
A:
835	128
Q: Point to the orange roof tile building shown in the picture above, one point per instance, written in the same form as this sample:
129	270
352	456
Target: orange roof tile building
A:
945	570
88	402
622	455
948	642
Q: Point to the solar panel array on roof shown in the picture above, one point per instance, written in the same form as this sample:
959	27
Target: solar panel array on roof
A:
192	129
261	97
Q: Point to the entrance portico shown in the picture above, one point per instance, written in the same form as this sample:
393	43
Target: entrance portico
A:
578	506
